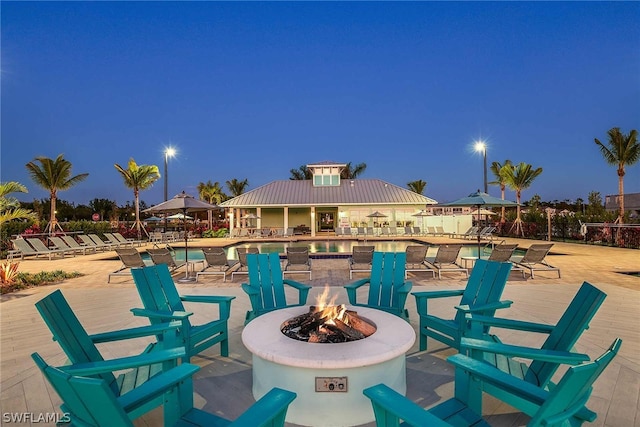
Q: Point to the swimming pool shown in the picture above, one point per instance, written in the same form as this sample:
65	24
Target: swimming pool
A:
327	249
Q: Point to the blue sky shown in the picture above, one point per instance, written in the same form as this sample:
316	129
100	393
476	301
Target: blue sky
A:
252	90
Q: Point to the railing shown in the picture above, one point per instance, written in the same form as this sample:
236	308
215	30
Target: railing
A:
621	235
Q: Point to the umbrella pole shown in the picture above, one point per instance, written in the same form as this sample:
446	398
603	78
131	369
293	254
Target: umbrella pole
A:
478	233
186	251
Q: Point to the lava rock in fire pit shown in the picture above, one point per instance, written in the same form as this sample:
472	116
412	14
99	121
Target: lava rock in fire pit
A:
333	324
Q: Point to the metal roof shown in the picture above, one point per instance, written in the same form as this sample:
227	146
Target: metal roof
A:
350	192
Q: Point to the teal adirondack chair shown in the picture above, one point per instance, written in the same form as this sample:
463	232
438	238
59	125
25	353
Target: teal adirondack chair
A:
266	286
162	303
481	296
546	408
81	349
546	360
388	289
90	402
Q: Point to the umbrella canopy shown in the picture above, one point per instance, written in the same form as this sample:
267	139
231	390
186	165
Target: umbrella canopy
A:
182	203
153	219
179	216
482	212
480	199
251	216
422	214
377	214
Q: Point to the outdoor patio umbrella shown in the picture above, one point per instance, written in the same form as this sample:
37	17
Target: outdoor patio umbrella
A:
480	199
422	214
250	216
377	214
179	216
182	203
153	219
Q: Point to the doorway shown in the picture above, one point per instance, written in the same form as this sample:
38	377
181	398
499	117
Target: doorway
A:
326	220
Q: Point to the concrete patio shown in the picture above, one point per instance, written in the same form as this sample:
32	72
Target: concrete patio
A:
223	385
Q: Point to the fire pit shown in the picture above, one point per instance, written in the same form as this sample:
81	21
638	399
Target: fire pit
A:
330	324
328	377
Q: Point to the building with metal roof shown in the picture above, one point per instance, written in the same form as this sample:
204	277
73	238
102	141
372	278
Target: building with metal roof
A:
325	202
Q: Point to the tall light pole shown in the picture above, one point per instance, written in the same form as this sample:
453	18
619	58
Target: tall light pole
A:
168	152
480	146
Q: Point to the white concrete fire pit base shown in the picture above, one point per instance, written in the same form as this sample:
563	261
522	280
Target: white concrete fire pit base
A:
280	361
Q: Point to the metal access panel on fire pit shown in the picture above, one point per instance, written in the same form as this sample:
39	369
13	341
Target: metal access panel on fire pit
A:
332	384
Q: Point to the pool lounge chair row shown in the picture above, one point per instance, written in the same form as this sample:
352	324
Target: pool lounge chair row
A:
67	245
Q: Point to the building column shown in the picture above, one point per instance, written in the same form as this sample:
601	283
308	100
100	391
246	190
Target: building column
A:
231	222
285	222
259	220
313	221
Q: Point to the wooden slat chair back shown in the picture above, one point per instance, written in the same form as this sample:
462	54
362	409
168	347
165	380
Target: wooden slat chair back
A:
90	403
561	337
81	348
481	296
266	286
388	289
162	303
558	407
70	334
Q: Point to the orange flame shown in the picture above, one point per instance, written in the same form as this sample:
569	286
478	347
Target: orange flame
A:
329	310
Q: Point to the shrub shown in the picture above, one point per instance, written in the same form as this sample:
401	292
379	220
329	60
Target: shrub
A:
43	278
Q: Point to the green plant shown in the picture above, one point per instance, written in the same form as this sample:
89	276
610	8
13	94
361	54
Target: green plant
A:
43	278
8	272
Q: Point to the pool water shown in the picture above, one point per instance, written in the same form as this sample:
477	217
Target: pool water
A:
340	248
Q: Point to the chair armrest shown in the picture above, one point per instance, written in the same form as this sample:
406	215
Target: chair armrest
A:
213	299
304	290
268	408
112	365
156	386
484	307
142	331
438	294
487	373
223	301
356	284
175	315
510	324
396	407
352	287
250	290
406	287
555	356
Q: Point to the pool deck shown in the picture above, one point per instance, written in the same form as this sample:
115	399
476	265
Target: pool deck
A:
223	385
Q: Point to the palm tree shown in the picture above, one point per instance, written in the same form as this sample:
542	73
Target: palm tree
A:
622	150
237	187
53	175
10	206
138	178
352	172
417	186
301	173
518	178
213	194
498	170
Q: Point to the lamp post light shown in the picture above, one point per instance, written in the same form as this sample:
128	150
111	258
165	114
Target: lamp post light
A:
480	146
168	152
